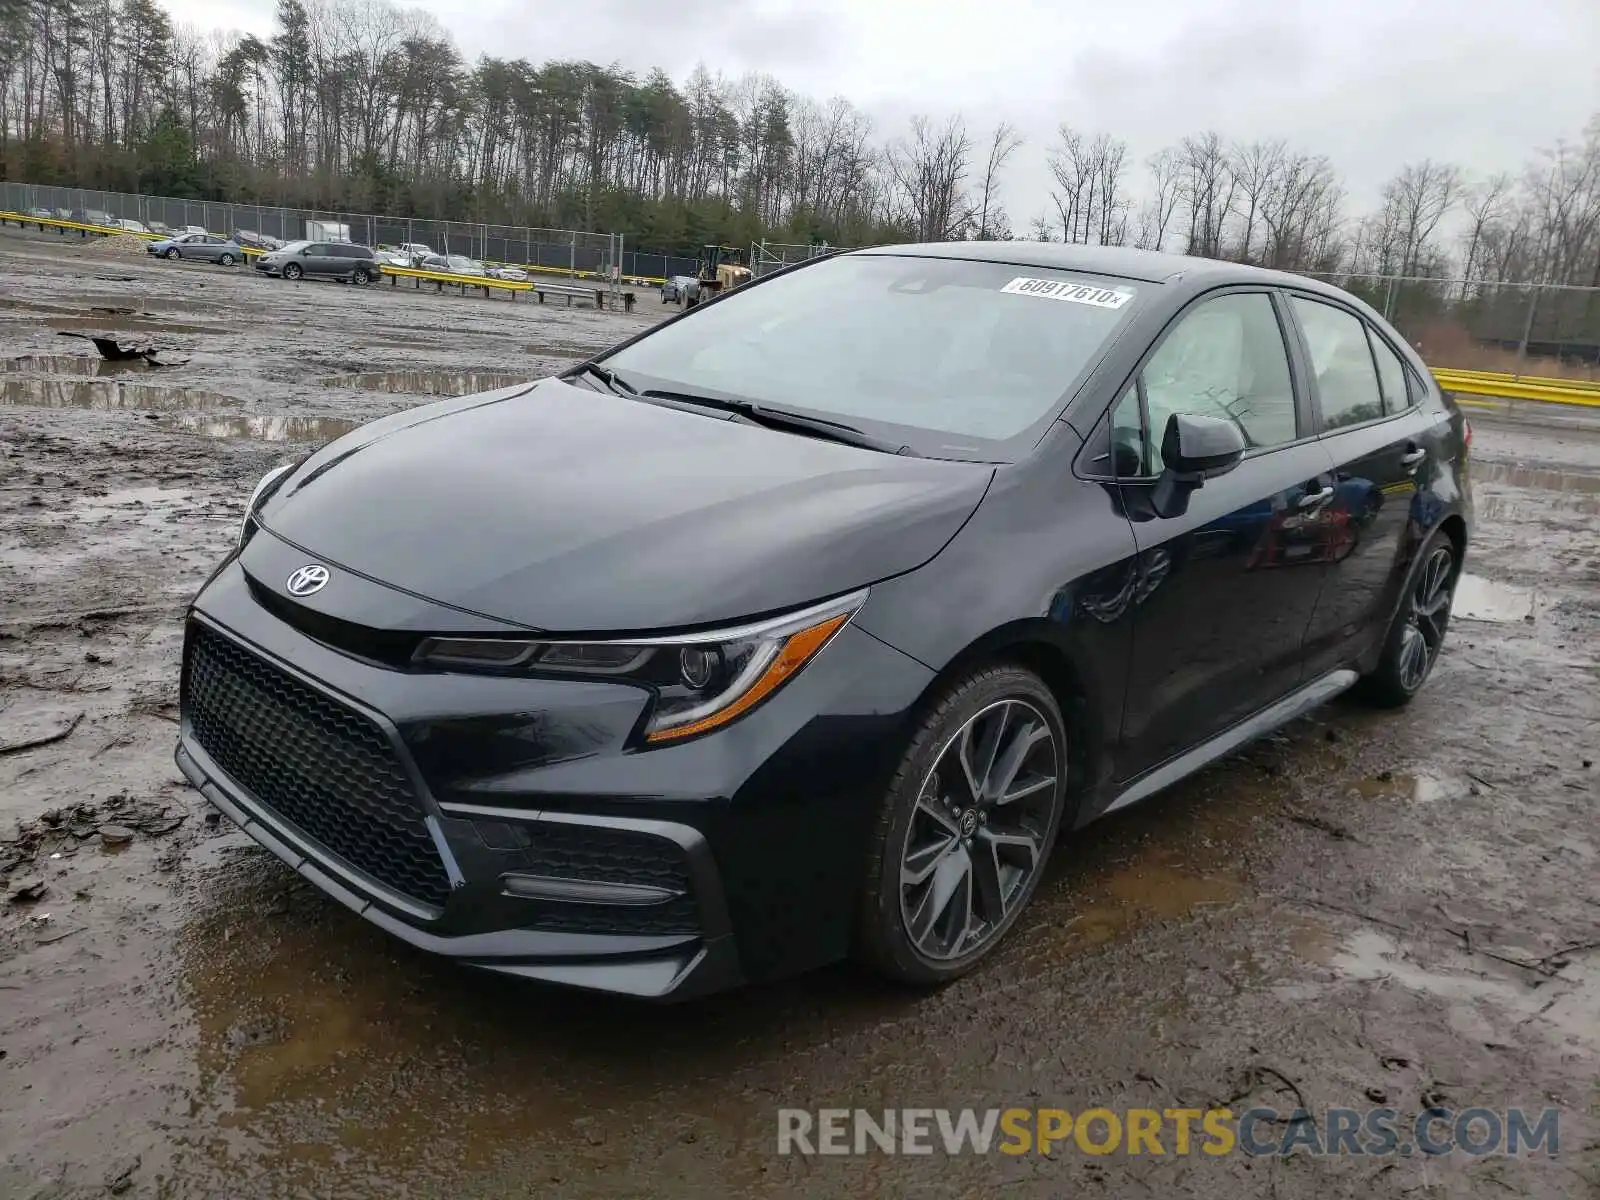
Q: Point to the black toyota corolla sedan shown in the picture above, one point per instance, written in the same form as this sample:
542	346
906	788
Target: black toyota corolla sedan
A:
804	624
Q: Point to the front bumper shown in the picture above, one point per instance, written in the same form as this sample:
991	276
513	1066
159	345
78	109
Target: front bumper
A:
555	854
654	968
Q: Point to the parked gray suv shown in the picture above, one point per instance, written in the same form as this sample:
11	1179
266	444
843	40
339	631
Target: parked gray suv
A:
321	260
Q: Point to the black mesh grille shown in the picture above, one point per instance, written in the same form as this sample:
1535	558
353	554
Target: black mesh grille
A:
317	765
604	856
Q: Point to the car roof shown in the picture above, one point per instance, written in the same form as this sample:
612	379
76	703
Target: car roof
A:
1144	266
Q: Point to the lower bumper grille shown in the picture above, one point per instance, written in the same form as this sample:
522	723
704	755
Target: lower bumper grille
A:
314	763
597	855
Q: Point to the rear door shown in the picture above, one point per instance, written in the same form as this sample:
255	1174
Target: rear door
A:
1378	439
1227	589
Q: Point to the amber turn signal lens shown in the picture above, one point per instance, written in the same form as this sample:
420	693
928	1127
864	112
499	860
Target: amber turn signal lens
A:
797	650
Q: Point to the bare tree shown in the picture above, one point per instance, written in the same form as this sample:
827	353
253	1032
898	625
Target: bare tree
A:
1414	203
1255	169
1161	202
1002	146
1109	158
928	170
1487	205
1300	211
1089	196
1564	199
1070	167
1206	187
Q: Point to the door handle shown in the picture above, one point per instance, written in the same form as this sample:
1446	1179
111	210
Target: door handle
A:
1412	457
1316	499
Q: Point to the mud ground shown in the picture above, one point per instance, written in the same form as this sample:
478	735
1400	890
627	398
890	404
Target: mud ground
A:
1368	909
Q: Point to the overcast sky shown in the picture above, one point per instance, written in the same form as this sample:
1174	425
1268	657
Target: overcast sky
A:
1370	83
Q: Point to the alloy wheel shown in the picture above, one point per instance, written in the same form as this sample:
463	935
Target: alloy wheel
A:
976	840
1429	614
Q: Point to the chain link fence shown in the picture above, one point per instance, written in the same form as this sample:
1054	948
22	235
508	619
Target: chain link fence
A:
572	252
1550	330
766	257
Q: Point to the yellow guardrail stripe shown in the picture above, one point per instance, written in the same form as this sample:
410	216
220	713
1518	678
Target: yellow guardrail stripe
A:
450	277
1511	387
58	223
1489	377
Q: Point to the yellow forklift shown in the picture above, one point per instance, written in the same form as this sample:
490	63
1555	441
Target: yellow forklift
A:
719	269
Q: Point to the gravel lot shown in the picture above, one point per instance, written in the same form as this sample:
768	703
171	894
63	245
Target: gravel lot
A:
1396	909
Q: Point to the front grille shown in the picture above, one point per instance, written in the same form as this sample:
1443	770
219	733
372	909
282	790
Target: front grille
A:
316	764
603	856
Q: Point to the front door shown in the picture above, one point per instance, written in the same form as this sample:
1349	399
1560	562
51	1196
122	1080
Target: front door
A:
1229	586
1379	442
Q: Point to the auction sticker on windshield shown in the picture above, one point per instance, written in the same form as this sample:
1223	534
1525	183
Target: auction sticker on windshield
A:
1068	289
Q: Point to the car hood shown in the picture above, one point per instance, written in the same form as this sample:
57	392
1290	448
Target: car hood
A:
559	508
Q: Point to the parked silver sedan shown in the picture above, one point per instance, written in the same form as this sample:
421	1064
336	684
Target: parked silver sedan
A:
199	247
452	264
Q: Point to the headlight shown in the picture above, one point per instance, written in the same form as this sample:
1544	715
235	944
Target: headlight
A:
265	488
701	681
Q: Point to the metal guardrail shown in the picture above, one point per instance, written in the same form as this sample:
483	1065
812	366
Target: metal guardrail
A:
1500	386
597	293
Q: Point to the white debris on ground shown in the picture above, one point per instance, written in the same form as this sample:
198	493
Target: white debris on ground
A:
118	245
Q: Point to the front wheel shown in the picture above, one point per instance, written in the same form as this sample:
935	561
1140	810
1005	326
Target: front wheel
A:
963	835
172	254
1416	634
226	260
292	271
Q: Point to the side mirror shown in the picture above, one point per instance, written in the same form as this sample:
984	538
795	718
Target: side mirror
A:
1194	449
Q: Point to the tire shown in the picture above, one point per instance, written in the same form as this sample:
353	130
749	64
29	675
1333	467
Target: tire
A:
225	260
292	271
1417	631
172	254
929	838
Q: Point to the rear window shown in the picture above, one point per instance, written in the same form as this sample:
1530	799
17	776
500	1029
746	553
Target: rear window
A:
949	347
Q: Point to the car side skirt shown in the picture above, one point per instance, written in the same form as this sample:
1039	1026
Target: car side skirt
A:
1301	700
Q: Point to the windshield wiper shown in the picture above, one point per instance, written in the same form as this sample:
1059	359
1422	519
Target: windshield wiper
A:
620	386
782	418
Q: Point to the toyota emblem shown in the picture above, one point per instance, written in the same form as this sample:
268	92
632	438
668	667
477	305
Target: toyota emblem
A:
308	580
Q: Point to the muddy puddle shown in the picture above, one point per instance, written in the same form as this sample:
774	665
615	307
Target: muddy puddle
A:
79	366
263	429
191	410
105	395
1480	599
427	383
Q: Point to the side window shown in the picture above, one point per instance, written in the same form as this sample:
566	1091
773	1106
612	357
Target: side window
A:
1347	382
1130	448
317	251
1392	375
1226	358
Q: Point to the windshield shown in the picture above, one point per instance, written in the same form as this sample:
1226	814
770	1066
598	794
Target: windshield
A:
294	246
977	350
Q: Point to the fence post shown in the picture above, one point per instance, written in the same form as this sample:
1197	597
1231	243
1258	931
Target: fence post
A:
572	261
1527	331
